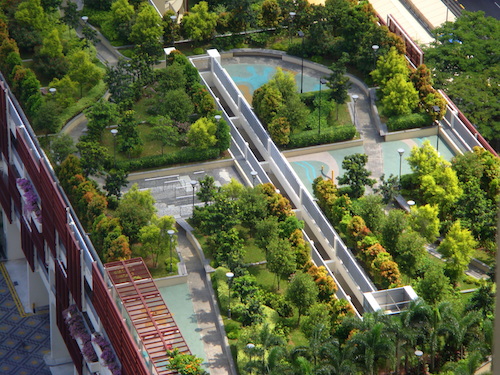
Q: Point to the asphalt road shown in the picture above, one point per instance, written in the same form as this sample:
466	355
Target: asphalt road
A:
490	7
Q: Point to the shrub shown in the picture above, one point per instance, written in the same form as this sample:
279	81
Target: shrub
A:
411	121
258	39
174	264
185	155
198	51
311	138
232	329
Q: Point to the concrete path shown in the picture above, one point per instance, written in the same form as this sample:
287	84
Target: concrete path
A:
218	363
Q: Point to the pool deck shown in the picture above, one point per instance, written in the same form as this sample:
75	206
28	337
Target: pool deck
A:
383	158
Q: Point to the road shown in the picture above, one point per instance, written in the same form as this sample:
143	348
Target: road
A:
490	7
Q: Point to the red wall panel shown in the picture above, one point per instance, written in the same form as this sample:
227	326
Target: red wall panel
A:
62	303
112	321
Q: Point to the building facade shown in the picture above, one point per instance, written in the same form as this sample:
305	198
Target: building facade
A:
38	224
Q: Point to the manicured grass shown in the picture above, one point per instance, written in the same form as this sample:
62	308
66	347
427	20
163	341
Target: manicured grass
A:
150	147
253	253
265	278
297	338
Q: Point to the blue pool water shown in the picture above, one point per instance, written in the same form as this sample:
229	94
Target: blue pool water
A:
253	76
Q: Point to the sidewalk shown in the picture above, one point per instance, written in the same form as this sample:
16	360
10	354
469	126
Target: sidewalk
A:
202	299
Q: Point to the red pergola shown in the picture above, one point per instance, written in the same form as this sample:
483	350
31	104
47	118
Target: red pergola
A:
147	310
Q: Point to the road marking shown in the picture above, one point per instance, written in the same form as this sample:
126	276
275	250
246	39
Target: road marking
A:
497	4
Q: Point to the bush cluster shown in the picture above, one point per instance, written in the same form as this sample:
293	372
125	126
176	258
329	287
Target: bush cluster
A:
311	138
411	121
186	155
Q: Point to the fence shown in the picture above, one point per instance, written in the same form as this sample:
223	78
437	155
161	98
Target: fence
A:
359	282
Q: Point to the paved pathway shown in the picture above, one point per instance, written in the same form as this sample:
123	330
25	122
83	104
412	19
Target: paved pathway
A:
204	309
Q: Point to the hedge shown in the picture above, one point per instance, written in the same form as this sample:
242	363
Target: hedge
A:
186	155
312	138
411	121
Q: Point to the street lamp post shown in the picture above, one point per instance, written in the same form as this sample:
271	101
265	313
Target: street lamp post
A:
354	99
419	355
217	117
193	184
173	18
375	48
322	81
436	109
170	233
52	91
302	35
254	176
250	348
401	151
229	276
114	132
292	15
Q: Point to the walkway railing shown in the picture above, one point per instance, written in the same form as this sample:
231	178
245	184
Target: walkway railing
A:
344	263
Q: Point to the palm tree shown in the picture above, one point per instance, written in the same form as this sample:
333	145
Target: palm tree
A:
462	330
432	321
467	366
372	344
404	338
336	359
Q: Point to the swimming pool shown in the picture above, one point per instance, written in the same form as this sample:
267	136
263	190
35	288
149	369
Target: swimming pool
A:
249	77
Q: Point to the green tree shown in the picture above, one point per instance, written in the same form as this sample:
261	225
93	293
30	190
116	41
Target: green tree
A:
388	189
135	211
466	51
99	116
394	225
372	343
199	24
154	237
47	119
410	252
227	248
115	180
388	66
400	97
223	135
425	221
71	16
129	139
356	175
175	104
438	181
270	15
52	46
83	70
122	18
483	299
457	248
371	210
267	100
201	134
93	157
433	286
147	31
207	189
61	146
280	259
302	292
31	13
338	82
279	130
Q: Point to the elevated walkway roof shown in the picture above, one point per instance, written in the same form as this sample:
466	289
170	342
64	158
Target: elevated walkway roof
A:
147	311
